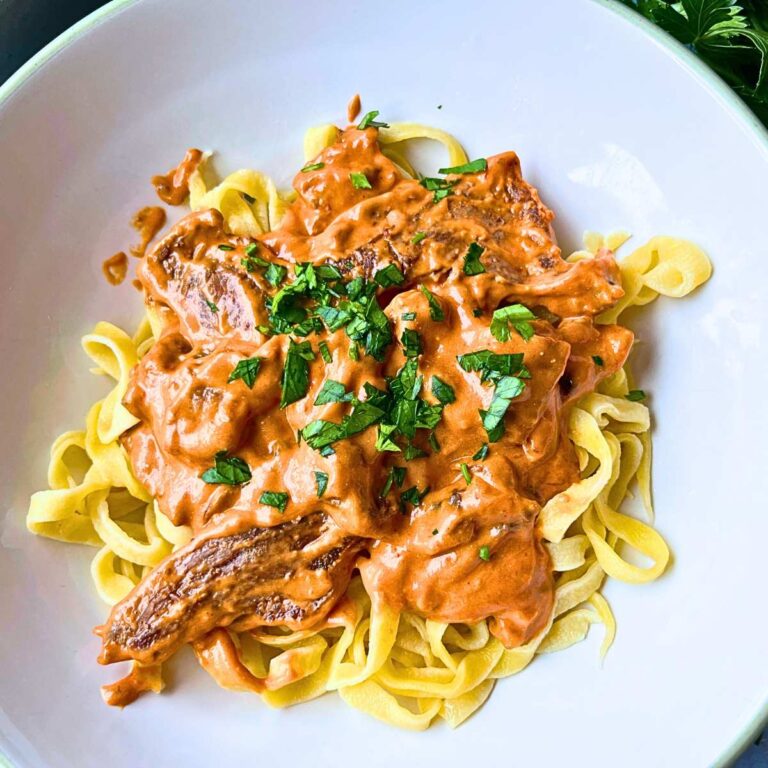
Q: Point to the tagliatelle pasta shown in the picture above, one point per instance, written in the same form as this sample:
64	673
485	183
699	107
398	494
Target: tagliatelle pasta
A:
395	665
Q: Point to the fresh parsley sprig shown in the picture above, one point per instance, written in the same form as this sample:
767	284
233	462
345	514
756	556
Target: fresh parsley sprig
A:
731	37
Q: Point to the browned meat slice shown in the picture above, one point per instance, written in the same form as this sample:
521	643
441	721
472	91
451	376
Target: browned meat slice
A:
204	284
289	575
363	230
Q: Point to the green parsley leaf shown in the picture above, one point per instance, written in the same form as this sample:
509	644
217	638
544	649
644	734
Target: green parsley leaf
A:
251	263
275	274
435	308
472	263
321	433
443	391
396	477
295	380
635	395
475	166
227	470
332	392
325	353
226	247
434	530
312	167
333	317
598	360
515	315
492	366
211	306
467	474
359	181
251	249
507	389
418	237
413	452
412	496
440	188
353	352
369	121
246	370
477	312
276	499
482	453
433	442
321	479
484	553
384	441
411	343
408	316
390	275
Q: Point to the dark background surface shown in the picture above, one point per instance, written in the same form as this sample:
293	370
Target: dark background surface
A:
27	25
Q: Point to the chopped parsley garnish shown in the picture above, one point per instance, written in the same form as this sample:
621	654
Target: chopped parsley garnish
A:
408	316
467	474
412	496
493	366
251	249
635	395
359	180
226	247
440	188
472	263
384	441
248	198
398	411
475	166
353	353
321	478
312	167
277	499
396	477
484	553
442	391
369	121
332	392
418	237
477	312
433	442
320	433
275	274
227	470
515	316
390	275
246	370
506	390
507	372
413	452
411	343
435	308
295	380
211	306
361	316
482	453
434	530
251	262
597	360
325	353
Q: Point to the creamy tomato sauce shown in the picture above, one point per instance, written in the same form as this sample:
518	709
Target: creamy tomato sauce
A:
437	510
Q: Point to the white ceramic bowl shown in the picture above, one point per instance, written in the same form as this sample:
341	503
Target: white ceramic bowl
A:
619	128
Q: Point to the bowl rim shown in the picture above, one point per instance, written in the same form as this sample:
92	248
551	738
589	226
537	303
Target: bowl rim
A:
716	86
